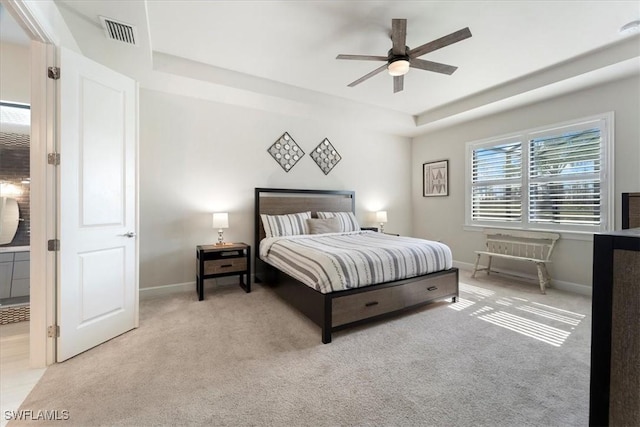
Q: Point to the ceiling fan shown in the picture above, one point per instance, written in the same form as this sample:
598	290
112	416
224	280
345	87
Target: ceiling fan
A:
400	58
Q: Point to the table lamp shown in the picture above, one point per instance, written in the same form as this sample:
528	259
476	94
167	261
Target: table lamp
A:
381	217
220	221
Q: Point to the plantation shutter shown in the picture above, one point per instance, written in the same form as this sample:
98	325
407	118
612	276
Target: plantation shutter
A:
564	178
497	183
558	177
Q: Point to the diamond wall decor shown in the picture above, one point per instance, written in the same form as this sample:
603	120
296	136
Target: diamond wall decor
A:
325	156
286	152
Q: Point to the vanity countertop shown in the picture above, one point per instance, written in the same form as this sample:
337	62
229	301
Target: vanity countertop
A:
14	248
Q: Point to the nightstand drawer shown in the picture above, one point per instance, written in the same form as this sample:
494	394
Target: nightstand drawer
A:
221	255
225	265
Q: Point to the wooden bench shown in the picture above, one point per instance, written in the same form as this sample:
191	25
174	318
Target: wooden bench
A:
529	246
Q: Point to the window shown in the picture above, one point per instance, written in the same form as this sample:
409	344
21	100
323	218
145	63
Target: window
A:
554	178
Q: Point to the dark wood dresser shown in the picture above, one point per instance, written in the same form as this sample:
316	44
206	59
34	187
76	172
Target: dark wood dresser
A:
630	210
615	330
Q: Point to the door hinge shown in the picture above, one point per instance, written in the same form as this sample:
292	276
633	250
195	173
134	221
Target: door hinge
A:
53	73
53	159
53	331
53	245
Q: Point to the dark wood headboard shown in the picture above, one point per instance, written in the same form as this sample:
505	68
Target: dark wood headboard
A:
278	201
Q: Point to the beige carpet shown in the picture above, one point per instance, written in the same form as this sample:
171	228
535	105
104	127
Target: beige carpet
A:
505	355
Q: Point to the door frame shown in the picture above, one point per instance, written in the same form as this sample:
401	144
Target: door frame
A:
43	181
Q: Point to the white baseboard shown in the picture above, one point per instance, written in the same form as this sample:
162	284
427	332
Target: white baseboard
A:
155	291
575	288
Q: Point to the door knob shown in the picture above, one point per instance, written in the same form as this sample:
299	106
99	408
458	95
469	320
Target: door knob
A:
129	234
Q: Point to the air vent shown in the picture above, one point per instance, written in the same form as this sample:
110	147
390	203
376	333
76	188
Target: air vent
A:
119	31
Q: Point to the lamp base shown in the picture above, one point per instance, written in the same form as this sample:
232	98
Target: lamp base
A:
220	238
382	227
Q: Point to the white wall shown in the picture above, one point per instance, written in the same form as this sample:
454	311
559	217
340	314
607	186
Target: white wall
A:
15	79
197	157
442	218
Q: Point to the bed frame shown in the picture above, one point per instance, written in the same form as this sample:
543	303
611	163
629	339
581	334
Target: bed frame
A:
342	309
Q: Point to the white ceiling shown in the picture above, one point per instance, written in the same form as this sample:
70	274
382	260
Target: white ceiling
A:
287	49
296	42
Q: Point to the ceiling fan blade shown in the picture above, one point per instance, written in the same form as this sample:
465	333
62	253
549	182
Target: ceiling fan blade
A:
363	57
436	67
398	83
366	76
399	36
452	38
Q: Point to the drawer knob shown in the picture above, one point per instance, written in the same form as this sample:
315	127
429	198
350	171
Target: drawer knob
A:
371	304
226	265
432	288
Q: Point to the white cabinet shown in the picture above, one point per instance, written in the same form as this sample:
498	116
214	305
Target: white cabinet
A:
14	274
6	273
20	280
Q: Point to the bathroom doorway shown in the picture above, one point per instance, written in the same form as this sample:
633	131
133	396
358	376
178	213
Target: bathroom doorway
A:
15	214
15	176
15	211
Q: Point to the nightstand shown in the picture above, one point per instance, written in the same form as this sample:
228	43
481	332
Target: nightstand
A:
223	260
369	228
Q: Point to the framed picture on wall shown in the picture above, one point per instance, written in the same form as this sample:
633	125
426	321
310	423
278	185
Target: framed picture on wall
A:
435	178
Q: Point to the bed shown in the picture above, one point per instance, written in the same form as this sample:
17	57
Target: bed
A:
336	307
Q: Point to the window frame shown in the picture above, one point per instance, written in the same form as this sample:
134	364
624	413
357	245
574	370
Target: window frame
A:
604	121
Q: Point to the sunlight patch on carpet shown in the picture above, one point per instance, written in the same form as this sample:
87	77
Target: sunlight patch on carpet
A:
552	314
530	328
461	304
481	310
505	301
542	322
580	316
476	290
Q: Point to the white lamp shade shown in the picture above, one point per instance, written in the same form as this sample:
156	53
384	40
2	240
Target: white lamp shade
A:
221	220
381	216
398	68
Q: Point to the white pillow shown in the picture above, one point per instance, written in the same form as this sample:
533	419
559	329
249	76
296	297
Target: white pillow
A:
321	226
285	225
348	220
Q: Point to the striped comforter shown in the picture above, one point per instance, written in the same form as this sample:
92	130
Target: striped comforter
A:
337	261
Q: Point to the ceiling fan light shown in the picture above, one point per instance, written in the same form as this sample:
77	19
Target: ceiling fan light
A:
398	68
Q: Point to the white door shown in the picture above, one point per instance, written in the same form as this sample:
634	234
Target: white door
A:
97	264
